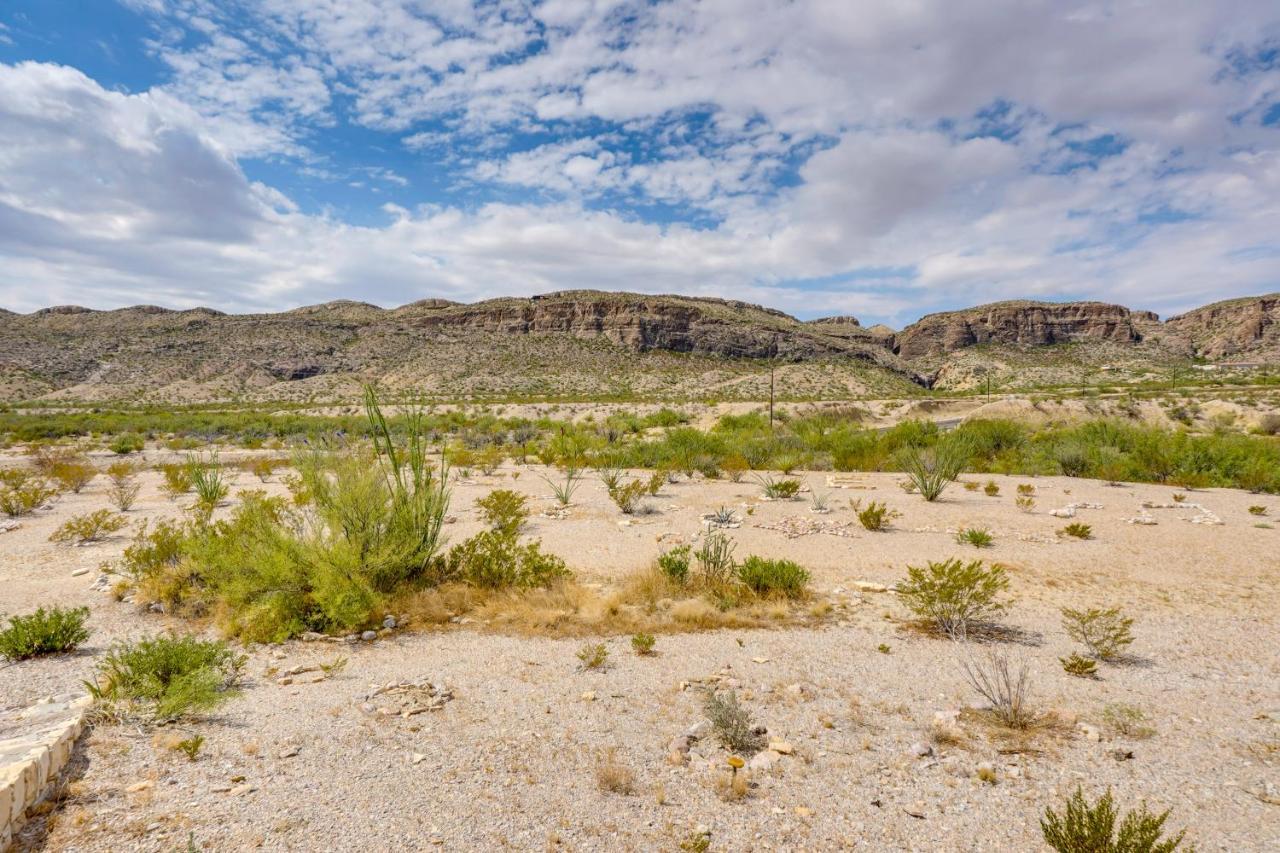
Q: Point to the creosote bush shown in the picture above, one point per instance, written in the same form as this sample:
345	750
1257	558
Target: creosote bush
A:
44	632
165	677
593	656
955	595
674	563
732	723
628	496
88	527
1077	530
773	577
22	492
875	516
1092	828
124	487
504	510
642	644
1105	633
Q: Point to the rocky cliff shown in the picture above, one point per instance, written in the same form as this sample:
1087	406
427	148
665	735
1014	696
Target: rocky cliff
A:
1243	329
1027	324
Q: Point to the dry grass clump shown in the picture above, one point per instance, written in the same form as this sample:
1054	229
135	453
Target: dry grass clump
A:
612	776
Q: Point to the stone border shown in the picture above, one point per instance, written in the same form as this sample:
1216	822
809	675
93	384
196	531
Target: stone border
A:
37	745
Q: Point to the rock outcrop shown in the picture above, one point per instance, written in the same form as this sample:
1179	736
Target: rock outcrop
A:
1241	329
1027	324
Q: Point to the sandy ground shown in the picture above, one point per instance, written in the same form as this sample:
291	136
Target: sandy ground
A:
510	762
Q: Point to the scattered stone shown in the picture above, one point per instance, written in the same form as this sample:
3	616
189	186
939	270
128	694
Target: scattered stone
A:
389	621
870	586
289	752
241	790
921	750
144	785
312	636
762	761
78	572
1091	733
408	698
417	758
781	747
369	636
589	696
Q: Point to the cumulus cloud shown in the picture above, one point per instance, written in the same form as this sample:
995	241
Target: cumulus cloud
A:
789	153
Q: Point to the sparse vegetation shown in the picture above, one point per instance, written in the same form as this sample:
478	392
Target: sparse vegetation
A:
1127	720
991	489
124	487
593	656
88	527
715	559
504	510
1079	666
875	516
21	492
953	595
44	632
773	577
165	677
978	537
780	489
732	723
642	644
1077	530
613	777
1004	683
674	563
563	489
931	469
1104	632
629	496
1092	828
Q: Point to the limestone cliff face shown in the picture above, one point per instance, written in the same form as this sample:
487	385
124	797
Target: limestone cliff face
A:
1237	328
1027	324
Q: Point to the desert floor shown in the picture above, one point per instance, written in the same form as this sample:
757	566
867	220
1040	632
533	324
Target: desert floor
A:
511	762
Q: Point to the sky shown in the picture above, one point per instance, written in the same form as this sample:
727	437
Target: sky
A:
881	159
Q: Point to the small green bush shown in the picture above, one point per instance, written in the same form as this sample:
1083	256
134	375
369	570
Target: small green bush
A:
593	656
1079	666
88	527
44	632
715	558
675	563
781	489
954	595
992	489
1105	633
166	678
628	496
126	443
177	479
208	482
504	510
22	493
1085	828
766	577
1127	720
643	644
732	723
1077	530
978	537
875	516
932	469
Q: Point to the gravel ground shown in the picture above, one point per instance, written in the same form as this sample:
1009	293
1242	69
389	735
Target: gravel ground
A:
511	760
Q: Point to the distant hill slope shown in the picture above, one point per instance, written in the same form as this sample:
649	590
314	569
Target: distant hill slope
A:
591	343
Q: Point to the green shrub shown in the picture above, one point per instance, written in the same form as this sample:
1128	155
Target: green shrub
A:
931	470
732	723
177	479
73	474
21	492
954	595
494	559
628	496
563	490
1079	666
991	489
715	558
593	656
875	516
44	632
126	443
765	577
1085	828
1077	530
88	527
504	510
1127	720
1257	509
166	678
643	644
208	482
1105	633
781	489
675	563
978	537
124	487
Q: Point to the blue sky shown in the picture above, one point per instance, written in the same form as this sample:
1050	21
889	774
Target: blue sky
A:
818	156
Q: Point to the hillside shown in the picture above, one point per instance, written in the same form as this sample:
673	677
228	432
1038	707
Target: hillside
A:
597	344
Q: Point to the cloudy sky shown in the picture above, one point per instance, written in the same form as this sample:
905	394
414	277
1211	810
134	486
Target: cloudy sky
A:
882	158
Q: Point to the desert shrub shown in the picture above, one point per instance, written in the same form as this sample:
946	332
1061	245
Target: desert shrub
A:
875	516
22	493
978	537
1025	503
969	486
735	467
1026	489
126	443
1257	509
610	475
675	563
1085	828
781	489
1127	720
190	747
1004	682
44	632
1079	666
166	678
1077	530
715	558
564	489
656	481
504	510
593	656
177	479
262	467
73	473
642	644
954	595
88	527
1105	633
628	496
124	486
494	559
930	470
731	722
765	577
723	516
991	489
613	777
208	483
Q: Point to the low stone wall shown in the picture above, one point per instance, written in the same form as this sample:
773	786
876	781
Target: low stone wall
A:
35	744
